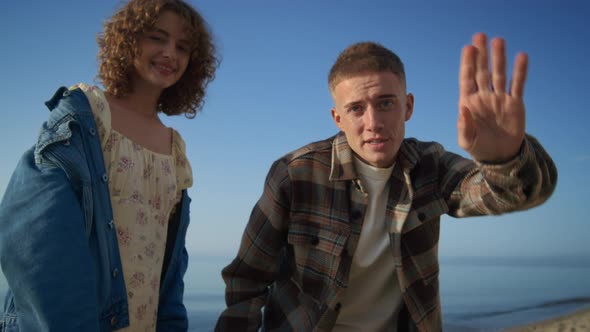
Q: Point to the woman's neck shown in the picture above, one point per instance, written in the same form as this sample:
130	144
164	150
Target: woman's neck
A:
143	101
142	106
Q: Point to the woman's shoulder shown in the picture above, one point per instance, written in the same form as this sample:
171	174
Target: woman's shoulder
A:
93	91
184	172
99	105
95	96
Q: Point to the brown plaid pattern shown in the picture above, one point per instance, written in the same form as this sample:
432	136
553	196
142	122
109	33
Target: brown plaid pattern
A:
296	251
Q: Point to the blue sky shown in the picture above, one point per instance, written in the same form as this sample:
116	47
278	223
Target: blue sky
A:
270	96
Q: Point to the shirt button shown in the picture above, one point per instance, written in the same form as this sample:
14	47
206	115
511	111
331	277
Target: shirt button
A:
356	214
357	185
315	240
114	321
421	216
66	93
105	178
111	224
92	131
115	272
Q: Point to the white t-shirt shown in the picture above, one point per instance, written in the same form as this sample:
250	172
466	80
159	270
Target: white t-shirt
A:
373	297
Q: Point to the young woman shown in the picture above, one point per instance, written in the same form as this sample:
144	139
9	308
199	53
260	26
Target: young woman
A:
93	221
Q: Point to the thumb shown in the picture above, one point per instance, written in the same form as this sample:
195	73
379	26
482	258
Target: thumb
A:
465	129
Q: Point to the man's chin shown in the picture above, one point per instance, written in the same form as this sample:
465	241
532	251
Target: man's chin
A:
379	162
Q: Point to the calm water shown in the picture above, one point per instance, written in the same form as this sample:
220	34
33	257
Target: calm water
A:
495	293
478	294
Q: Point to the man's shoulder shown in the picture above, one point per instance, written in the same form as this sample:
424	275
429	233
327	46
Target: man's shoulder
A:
415	148
314	151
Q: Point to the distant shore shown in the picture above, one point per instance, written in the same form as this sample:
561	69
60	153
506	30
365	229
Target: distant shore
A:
577	321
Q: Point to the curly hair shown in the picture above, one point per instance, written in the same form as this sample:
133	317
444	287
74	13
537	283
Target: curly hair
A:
118	47
365	57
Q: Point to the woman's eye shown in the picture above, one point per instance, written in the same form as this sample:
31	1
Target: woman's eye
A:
183	49
155	38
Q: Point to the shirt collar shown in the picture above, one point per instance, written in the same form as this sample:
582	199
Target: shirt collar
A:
342	165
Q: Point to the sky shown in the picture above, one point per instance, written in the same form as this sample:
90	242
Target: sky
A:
270	96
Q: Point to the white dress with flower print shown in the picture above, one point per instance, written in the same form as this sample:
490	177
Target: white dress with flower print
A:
144	186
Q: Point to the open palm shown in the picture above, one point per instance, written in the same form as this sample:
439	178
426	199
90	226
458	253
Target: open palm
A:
491	123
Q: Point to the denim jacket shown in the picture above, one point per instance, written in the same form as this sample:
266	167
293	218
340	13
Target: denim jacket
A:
58	244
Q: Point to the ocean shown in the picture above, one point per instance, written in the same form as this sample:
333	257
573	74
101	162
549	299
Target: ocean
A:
477	293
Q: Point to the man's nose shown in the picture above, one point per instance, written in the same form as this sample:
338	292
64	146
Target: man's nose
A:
373	120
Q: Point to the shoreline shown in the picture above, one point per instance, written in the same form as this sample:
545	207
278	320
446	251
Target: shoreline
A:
577	321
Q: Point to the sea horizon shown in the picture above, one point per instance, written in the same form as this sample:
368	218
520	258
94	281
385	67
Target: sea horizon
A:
478	293
485	293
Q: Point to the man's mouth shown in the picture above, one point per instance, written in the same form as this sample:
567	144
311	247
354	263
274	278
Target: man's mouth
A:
375	141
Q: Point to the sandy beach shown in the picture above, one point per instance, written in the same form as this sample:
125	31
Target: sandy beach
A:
577	321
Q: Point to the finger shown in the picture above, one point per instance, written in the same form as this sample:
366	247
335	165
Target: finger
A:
482	74
467	71
465	129
499	65
519	75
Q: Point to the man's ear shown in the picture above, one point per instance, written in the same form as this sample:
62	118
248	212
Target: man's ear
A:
409	106
336	118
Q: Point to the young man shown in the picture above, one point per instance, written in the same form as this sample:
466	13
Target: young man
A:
345	235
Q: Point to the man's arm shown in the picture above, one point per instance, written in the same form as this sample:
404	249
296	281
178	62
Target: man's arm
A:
511	171
44	251
256	266
474	188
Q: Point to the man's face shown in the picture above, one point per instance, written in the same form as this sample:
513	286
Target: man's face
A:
371	109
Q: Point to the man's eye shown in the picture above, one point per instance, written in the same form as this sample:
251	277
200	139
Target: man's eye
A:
355	109
386	104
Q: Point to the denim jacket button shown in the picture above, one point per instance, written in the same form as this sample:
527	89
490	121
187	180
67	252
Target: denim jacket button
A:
92	131
115	272
111	224
66	93
104	178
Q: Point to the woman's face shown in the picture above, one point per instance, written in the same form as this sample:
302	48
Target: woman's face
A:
164	53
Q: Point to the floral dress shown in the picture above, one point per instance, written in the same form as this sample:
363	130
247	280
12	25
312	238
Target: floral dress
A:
144	186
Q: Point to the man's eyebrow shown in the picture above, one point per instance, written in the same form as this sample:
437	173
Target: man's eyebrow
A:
384	96
387	96
347	105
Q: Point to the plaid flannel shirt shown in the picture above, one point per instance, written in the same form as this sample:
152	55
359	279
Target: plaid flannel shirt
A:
296	251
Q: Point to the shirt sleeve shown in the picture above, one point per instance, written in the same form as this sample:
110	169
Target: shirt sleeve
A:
472	188
249	275
184	172
172	315
44	251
